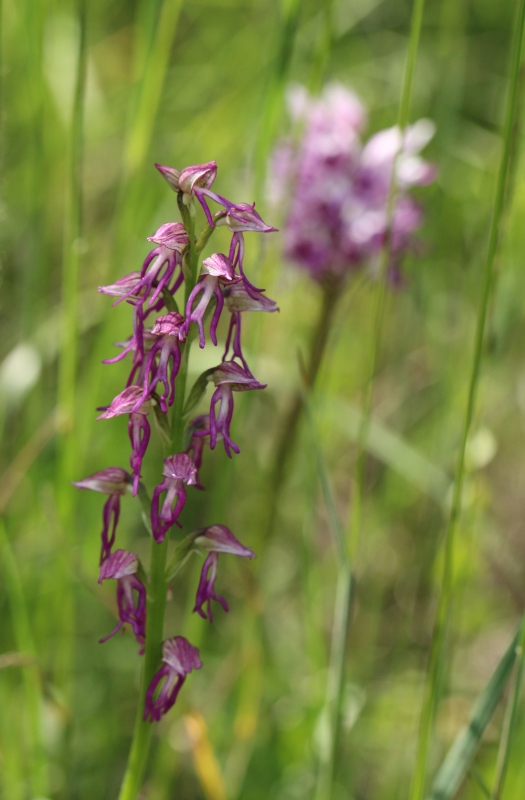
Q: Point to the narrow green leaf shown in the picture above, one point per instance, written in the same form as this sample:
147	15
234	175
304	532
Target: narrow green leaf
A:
198	390
459	759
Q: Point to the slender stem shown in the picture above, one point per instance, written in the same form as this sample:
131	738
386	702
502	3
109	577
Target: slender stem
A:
380	291
446	588
285	444
68	350
335	685
156	601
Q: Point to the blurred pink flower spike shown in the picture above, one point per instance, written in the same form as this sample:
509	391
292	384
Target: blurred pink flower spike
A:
179	659
115	482
179	471
122	566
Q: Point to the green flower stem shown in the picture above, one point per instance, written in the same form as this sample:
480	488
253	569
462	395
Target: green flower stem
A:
157	590
446	589
285	444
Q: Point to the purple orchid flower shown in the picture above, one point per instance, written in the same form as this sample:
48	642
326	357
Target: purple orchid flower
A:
228	377
216	539
138	427
115	482
179	470
160	264
196	446
217	270
242	217
238	300
122	566
167	332
179	659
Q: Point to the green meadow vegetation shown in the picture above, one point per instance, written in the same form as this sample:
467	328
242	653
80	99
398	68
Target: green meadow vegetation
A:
373	650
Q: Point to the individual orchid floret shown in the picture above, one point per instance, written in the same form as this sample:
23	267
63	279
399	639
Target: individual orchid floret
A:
242	217
196	445
228	377
179	659
238	300
199	176
171	175
167	333
125	402
216	539
115	482
138	426
217	270
172	235
160	264
179	471
220	539
194	181
122	566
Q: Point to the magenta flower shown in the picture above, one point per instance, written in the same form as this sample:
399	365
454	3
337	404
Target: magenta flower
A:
196	445
228	377
179	659
122	567
238	300
242	217
217	270
216	539
138	426
338	218
179	471
115	482
167	332
160	264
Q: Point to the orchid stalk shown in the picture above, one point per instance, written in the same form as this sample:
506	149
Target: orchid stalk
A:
157	388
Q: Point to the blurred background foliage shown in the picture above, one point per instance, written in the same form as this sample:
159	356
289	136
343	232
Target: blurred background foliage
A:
181	83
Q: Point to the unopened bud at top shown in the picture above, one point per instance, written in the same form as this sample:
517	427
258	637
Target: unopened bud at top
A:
171	175
198	176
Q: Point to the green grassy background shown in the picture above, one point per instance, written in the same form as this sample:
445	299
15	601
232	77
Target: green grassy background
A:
181	83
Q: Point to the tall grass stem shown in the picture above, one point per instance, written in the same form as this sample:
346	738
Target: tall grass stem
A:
431	694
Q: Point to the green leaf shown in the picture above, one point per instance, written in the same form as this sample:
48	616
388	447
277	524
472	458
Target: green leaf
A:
459	758
198	390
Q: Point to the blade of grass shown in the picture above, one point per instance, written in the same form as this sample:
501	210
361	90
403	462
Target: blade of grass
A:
510	721
68	356
273	96
38	772
459	759
331	714
380	291
446	588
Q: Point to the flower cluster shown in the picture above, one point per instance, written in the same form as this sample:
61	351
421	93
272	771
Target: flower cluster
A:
339	215
157	351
